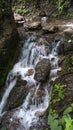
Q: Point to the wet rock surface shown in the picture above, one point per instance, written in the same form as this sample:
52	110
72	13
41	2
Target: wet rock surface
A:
50	29
42	70
18	94
10	124
7	122
33	25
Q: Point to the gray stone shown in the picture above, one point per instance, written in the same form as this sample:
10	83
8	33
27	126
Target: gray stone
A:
42	70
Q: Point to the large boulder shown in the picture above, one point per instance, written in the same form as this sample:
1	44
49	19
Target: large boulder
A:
17	95
42	70
50	29
35	25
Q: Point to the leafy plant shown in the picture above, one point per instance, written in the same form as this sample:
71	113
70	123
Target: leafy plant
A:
53	121
61	4
69	122
63	123
57	93
67	110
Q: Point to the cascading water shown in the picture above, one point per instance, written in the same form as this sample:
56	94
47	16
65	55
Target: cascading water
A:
30	56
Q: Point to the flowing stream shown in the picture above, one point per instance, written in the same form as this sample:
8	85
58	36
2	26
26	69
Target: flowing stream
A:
30	56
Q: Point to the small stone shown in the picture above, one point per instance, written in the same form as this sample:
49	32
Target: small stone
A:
18	17
30	72
34	25
39	114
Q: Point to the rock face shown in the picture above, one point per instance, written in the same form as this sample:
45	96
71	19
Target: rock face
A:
33	25
42	70
18	19
50	29
68	42
18	94
8	40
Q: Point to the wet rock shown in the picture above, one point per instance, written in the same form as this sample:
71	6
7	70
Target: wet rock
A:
34	25
41	124
66	43
61	59
18	17
42	41
40	92
42	70
60	49
39	114
30	72
50	29
68	31
10	123
18	94
68	46
19	23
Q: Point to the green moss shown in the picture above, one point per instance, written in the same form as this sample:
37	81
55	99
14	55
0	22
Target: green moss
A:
68	63
21	10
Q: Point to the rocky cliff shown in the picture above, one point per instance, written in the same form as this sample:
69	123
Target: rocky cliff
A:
8	40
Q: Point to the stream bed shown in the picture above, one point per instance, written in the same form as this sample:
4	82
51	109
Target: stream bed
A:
31	111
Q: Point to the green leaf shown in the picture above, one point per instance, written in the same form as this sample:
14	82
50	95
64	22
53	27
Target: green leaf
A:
67	111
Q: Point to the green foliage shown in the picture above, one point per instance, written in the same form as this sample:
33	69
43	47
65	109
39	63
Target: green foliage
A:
68	122
58	91
68	63
3	128
69	15
61	4
21	7
67	111
53	121
21	11
63	123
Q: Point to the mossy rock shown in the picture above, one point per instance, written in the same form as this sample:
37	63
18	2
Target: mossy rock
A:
67	64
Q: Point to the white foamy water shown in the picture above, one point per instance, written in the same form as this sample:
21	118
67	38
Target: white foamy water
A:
69	25
27	113
6	94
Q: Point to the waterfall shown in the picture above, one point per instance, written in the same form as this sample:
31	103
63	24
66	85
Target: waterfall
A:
30	56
